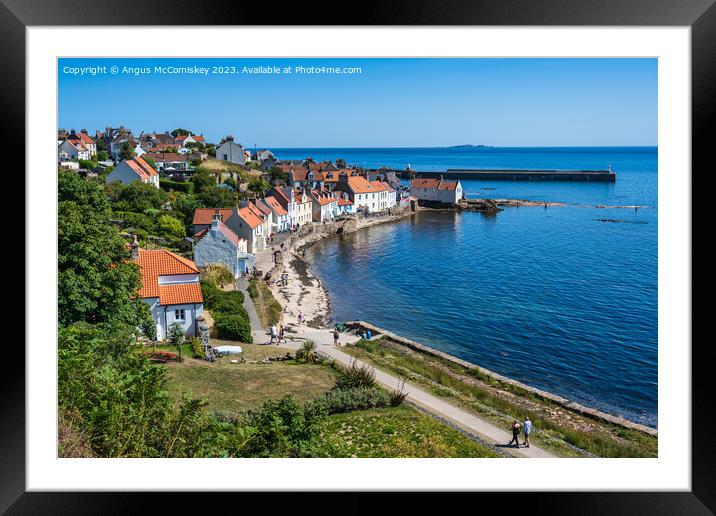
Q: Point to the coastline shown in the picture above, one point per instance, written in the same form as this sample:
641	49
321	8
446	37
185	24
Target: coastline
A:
307	293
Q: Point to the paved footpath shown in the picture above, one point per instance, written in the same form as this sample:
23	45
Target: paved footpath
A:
491	433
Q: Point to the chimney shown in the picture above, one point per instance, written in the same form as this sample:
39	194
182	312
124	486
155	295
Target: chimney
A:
215	219
135	248
343	179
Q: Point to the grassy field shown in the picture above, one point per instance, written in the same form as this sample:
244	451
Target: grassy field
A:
231	387
396	432
557	429
268	308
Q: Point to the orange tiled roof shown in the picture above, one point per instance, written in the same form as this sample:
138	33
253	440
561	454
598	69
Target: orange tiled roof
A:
275	205
250	217
155	263
344	202
182	294
360	184
379	186
141	167
448	185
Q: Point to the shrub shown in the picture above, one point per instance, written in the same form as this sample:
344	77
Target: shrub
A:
233	327
397	397
355	376
307	353
170	227
218	274
231	302
357	398
197	349
177	186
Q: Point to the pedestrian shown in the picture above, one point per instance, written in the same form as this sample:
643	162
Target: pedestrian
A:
300	318
515	434
281	335
336	336
527	428
274	333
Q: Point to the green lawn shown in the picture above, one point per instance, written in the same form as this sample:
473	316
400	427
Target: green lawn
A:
231	387
556	428
396	432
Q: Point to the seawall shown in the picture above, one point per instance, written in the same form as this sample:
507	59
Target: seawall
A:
517	175
571	405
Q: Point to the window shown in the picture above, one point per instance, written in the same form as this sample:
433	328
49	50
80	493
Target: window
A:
179	315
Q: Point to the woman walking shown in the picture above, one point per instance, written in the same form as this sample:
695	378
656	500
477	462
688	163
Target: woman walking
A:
515	434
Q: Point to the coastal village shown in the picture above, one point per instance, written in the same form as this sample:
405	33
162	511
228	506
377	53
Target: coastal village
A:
218	233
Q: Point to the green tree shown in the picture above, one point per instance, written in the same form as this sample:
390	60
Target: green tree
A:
127	151
141	197
258	185
170	227
202	178
179	131
215	197
102	155
97	280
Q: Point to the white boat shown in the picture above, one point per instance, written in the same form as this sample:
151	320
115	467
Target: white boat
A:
228	350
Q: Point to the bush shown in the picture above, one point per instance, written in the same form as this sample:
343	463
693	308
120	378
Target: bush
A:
218	274
338	401
169	227
197	349
231	302
307	353
177	186
355	376
233	327
397	397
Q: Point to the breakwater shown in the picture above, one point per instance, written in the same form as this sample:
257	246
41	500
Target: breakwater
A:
564	402
603	176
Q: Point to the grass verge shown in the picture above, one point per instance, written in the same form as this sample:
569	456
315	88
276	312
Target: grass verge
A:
396	432
268	308
556	428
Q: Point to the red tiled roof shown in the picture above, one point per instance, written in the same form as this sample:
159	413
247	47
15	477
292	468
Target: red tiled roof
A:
299	173
448	185
166	156
205	215
82	137
424	182
275	205
155	263
379	186
181	294
344	202
261	206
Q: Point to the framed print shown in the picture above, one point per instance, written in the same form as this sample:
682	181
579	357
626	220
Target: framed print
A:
432	250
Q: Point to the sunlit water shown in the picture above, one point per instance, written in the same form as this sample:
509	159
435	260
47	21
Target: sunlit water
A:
557	298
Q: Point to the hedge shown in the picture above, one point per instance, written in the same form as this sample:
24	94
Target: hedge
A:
177	186
233	327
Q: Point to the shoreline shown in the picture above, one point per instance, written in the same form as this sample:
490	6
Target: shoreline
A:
306	292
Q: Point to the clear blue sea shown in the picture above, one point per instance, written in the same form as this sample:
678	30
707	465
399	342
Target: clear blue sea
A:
557	298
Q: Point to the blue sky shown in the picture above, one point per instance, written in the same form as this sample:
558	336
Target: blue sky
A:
391	103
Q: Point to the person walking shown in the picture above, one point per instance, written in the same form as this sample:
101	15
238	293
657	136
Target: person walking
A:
281	335
300	318
336	336
527	428
515	434
274	333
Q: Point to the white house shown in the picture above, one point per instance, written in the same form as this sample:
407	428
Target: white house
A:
287	198
68	150
436	190
230	151
279	218
304	208
134	169
361	192
218	244
170	286
325	206
85	139
344	205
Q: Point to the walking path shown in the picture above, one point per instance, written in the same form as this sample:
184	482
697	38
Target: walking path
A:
242	285
323	338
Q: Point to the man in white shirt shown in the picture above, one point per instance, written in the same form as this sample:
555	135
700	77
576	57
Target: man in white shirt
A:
527	428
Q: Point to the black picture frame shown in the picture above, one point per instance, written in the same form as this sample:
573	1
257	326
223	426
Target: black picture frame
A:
699	15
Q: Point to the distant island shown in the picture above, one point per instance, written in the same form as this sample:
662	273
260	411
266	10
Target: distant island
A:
468	146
